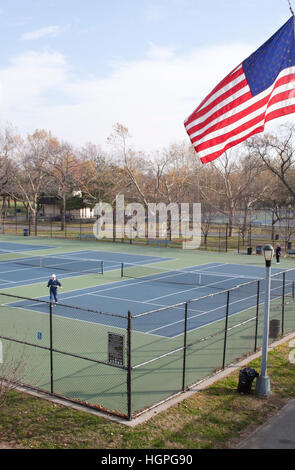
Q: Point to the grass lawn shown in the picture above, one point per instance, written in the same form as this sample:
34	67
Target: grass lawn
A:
215	418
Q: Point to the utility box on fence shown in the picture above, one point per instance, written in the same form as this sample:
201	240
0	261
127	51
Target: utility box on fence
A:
274	328
26	232
246	377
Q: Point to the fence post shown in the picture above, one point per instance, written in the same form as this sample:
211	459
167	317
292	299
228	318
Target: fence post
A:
226	237
184	347
283	303
129	366
51	348
257	315
225	329
250	235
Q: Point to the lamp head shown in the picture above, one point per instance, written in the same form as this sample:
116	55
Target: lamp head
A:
268	252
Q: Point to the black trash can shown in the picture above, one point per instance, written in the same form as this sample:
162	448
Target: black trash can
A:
274	328
246	377
289	245
249	250
26	232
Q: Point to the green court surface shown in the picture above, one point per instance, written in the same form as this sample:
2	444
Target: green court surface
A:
69	355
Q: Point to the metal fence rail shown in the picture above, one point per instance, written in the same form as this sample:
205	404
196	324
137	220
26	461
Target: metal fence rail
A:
67	348
219	237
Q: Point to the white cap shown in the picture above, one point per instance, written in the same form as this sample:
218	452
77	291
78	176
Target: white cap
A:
53	275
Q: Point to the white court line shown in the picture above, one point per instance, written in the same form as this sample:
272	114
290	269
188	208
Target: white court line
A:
212	310
132	282
7	282
126	300
205	313
65	274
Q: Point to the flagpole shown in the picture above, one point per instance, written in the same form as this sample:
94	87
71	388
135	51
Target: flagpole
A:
291	9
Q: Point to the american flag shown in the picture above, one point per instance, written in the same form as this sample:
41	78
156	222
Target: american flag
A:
261	88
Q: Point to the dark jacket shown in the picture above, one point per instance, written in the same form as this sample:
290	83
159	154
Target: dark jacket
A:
278	251
53	284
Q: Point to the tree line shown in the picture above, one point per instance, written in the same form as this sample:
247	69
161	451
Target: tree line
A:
260	174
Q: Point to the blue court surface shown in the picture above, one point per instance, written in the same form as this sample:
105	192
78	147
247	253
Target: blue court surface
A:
148	293
7	247
18	272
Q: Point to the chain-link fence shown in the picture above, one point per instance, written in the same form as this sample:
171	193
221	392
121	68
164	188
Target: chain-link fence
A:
127	364
218	236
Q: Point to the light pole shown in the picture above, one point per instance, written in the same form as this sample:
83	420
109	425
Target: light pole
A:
262	383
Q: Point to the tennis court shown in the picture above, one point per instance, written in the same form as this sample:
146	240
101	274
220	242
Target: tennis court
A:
156	291
155	305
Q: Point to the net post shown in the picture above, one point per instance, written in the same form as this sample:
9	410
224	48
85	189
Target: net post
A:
225	329
184	346
129	366
283	303
257	315
102	267
51	347
293	290
122	269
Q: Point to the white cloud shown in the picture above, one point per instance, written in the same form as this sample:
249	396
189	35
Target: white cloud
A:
155	13
29	77
152	97
51	31
159	52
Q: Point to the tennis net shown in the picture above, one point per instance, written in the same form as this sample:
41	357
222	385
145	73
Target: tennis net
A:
186	277
57	262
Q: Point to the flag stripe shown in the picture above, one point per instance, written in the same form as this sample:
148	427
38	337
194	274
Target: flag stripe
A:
234	122
214	155
261	88
225	94
249	108
219	89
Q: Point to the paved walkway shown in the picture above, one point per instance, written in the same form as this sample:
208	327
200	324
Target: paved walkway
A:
277	433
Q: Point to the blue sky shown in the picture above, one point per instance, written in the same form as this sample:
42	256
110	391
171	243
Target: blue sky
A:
77	67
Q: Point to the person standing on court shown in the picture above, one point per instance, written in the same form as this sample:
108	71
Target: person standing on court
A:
278	253
53	285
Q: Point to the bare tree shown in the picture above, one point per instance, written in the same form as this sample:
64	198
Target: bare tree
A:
10	142
64	170
277	152
31	177
15	367
132	161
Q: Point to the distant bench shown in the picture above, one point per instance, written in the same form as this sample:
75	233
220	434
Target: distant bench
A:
290	252
157	241
87	236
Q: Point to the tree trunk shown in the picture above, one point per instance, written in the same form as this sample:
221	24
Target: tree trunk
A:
63	213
